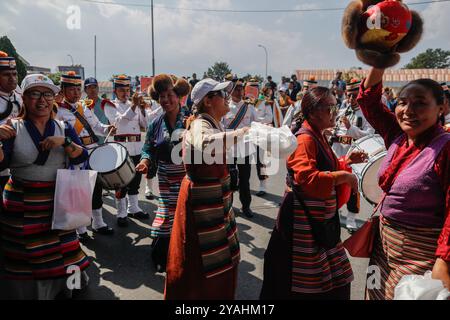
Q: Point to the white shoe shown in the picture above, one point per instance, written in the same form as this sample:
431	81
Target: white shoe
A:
351	221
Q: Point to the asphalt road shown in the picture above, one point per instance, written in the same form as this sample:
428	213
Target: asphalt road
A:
122	266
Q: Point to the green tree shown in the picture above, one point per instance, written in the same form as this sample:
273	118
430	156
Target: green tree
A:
55	77
7	46
430	59
218	71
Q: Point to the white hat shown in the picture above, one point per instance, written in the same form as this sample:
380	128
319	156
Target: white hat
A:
38	80
205	86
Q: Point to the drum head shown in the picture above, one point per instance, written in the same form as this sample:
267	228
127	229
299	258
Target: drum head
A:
372	144
368	184
108	157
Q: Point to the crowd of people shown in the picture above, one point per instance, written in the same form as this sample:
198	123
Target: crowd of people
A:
44	127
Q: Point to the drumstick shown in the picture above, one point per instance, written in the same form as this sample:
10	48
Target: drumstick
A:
109	133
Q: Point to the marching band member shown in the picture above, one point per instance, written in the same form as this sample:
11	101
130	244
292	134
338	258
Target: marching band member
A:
415	210
98	105
241	115
309	84
163	134
10	99
128	117
264	115
351	125
37	259
87	126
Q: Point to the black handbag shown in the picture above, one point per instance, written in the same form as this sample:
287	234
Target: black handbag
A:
327	234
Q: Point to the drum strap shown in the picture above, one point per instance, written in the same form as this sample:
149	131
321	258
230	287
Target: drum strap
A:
85	124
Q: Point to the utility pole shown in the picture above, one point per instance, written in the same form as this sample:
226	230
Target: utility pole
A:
267	56
153	42
95	57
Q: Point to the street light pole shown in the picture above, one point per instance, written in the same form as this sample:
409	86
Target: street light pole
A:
267	56
153	42
71	58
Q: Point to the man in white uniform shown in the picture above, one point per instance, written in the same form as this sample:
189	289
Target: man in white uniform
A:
128	118
10	100
350	126
264	115
87	126
241	115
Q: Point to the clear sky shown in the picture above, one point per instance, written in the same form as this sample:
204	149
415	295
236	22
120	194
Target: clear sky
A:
187	42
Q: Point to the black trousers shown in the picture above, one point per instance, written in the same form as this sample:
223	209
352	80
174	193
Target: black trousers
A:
353	203
260	165
97	197
133	187
244	183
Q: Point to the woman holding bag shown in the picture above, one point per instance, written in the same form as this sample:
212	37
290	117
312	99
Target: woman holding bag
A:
415	177
305	258
35	146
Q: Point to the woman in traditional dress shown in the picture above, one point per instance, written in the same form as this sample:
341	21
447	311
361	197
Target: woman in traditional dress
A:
414	219
163	134
38	260
204	248
297	264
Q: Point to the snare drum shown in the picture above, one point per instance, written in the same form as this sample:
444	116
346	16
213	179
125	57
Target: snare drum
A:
114	165
367	172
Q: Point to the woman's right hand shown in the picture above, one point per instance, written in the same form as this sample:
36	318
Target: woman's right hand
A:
7	131
142	166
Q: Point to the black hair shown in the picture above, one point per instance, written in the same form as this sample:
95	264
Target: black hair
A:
433	86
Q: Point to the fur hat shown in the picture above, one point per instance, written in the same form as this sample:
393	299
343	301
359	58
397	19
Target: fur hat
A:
352	30
163	82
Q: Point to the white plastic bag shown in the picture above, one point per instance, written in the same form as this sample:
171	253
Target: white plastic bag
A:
280	143
73	199
415	287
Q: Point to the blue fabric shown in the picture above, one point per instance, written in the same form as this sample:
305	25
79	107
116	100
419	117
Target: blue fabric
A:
159	133
38	138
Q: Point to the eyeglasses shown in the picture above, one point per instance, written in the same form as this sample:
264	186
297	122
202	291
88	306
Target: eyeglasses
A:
36	95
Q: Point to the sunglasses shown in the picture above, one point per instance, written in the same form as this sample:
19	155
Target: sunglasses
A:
352	95
36	95
333	108
221	93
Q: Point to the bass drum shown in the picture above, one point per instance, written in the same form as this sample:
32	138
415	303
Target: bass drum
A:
113	164
367	172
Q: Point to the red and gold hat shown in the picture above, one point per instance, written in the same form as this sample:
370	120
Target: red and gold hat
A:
6	62
71	79
353	85
310	83
122	81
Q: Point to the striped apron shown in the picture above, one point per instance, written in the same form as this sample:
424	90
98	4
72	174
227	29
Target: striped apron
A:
32	251
169	177
212	207
401	250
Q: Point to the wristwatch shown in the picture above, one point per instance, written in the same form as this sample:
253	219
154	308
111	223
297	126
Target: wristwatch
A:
67	142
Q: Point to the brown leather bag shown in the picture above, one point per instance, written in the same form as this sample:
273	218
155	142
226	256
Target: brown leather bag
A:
360	244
